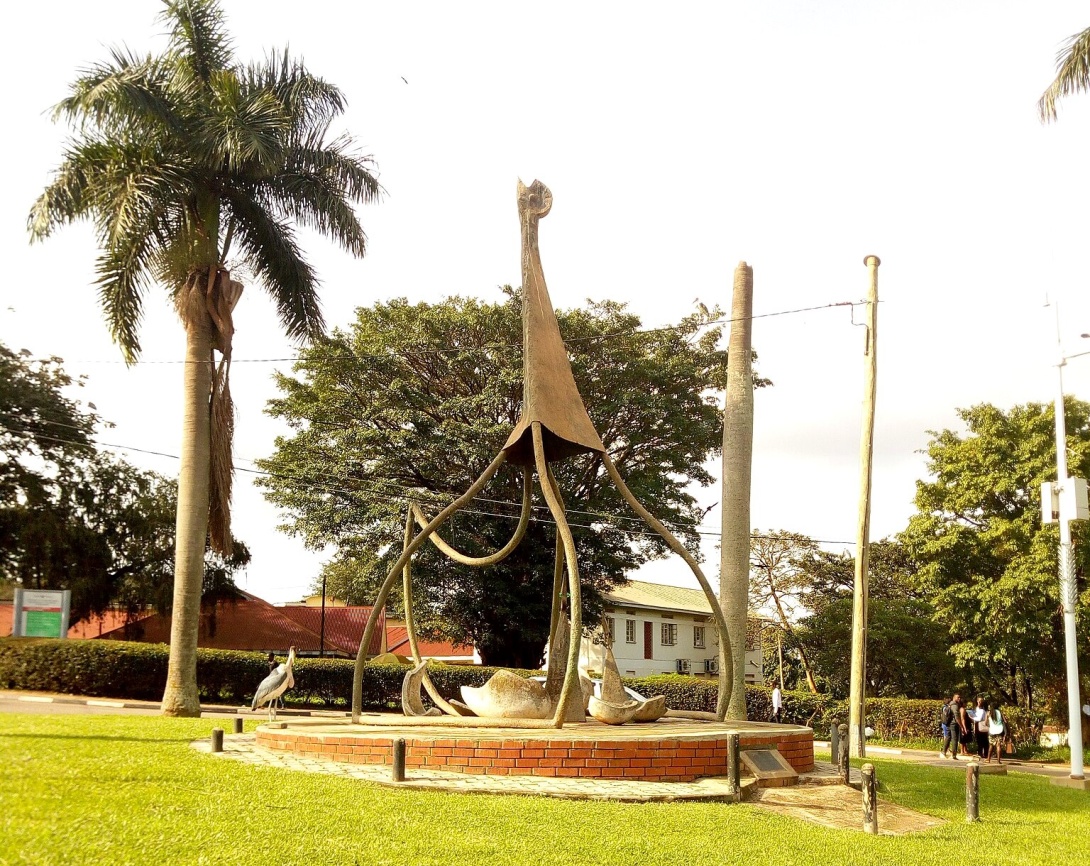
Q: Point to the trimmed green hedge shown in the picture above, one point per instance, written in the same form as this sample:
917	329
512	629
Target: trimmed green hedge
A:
119	669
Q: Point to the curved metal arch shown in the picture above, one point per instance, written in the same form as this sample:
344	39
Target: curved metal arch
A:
556	507
420	671
395	570
505	551
726	683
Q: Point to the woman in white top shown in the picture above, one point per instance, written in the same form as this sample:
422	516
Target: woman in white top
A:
997	729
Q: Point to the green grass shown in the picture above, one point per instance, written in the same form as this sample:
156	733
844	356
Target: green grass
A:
129	790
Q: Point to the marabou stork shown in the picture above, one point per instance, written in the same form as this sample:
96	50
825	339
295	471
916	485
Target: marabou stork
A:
274	685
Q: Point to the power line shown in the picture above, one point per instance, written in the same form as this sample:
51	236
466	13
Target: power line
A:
445	350
405	494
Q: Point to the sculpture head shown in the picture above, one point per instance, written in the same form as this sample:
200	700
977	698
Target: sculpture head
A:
535	199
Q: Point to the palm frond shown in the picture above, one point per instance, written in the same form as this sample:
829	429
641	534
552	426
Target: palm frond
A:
270	250
198	36
313	201
128	94
308	100
123	271
1072	75
340	164
244	130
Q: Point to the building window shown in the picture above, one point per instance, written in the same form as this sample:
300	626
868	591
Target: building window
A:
630	631
669	633
698	636
609	631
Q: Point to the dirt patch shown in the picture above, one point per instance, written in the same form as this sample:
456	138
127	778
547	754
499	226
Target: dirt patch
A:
841	807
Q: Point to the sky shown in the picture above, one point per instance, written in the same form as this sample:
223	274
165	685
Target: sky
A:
678	140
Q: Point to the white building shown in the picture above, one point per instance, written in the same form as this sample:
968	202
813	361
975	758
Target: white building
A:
659	629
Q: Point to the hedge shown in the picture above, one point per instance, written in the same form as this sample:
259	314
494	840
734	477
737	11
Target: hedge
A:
120	669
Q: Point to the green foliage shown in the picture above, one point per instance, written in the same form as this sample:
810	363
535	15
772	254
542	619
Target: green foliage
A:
414	400
134	786
185	158
985	562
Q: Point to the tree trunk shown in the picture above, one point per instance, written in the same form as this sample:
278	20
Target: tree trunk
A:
191	528
737	473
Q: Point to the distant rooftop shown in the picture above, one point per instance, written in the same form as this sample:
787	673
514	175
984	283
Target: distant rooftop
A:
657	596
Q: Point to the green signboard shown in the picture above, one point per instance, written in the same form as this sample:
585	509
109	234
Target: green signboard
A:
42	623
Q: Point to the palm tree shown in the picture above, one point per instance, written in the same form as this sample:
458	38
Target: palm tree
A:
1072	74
186	163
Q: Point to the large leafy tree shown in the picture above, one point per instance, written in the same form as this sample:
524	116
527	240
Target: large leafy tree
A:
986	563
413	401
189	164
907	652
1072	74
74	517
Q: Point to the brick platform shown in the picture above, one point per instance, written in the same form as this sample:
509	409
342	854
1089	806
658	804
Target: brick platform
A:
671	750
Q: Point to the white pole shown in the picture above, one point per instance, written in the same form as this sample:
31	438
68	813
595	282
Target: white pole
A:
1067	574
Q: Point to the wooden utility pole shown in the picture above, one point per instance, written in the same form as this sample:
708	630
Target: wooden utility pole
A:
856	698
737	475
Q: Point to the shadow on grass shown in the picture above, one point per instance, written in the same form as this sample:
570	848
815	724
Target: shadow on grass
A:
36	736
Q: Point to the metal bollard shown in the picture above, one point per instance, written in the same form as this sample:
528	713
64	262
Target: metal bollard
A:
870	800
733	757
399	760
972	793
834	743
217	739
238	724
844	769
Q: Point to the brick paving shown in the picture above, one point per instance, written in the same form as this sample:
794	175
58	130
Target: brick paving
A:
819	798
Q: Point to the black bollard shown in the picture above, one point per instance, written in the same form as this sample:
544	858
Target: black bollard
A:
399	760
238	724
844	769
834	743
217	739
733	757
972	793
870	800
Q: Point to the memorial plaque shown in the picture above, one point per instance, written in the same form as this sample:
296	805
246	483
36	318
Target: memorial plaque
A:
769	767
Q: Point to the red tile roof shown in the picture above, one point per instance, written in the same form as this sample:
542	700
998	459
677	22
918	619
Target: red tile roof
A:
344	626
250	623
397	642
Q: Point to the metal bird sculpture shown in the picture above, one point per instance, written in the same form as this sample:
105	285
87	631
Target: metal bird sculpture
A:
274	685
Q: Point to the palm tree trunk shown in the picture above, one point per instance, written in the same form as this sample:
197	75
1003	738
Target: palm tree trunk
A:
737	474
181	697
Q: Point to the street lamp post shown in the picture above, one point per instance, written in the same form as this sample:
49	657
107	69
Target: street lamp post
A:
1067	568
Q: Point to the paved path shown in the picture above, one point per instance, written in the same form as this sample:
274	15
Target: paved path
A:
932	759
59	704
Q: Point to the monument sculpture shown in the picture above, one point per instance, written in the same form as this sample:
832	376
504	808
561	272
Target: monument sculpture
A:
554	426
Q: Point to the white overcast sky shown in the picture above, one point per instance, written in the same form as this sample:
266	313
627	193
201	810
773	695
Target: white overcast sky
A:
678	139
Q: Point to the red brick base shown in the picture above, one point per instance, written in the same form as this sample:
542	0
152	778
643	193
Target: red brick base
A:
653	757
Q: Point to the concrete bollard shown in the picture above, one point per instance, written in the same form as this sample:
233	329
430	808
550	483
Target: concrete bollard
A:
972	793
238	724
844	769
733	758
399	760
217	739
870	800
834	743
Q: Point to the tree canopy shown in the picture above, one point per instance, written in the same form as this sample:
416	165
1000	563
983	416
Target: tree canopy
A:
75	517
411	403
985	561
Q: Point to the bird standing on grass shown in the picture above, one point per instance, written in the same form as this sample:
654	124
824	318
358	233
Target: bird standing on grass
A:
274	685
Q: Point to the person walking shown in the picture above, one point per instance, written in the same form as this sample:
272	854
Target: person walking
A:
777	704
979	715
996	730
957	725
946	721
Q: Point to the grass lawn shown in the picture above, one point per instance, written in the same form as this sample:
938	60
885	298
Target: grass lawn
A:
129	790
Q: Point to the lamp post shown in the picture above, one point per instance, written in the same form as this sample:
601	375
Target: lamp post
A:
1067	565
